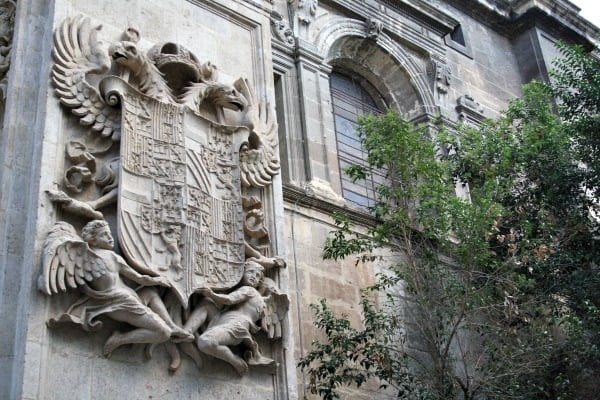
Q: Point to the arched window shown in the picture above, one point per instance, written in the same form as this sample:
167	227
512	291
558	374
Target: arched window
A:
352	97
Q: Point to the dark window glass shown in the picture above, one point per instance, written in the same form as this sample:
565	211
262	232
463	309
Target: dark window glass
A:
350	99
458	36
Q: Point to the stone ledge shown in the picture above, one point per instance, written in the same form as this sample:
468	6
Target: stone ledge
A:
306	198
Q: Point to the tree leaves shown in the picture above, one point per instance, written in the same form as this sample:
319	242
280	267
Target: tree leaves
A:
496	295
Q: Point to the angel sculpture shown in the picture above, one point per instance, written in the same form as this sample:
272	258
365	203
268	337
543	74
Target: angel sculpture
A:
168	74
232	319
88	263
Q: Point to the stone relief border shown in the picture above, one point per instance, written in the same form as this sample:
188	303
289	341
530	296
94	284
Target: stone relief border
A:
344	27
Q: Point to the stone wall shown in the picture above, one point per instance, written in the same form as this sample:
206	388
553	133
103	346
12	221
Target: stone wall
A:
67	362
287	51
405	51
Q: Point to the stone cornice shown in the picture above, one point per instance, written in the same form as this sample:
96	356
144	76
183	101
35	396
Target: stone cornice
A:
511	18
306	52
395	11
423	13
393	14
559	20
299	196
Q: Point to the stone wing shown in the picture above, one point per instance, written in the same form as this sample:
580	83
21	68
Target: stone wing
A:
259	159
78	52
67	261
277	306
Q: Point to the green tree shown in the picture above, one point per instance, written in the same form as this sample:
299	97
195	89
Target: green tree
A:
495	295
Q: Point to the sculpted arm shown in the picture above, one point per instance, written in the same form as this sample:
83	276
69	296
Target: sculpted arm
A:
145	280
237	296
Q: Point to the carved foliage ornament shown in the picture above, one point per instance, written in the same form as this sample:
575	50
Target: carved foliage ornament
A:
7	25
306	10
374	27
440	74
184	186
281	30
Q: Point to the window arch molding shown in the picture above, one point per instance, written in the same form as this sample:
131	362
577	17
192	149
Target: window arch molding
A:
374	86
385	63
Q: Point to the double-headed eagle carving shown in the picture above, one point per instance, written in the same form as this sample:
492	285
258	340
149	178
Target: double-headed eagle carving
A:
79	54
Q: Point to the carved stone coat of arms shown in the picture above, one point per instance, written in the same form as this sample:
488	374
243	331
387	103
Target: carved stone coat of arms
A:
180	207
160	165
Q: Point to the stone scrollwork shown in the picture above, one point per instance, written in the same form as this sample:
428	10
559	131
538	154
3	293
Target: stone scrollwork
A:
374	27
186	190
80	174
306	10
441	74
281	30
7	25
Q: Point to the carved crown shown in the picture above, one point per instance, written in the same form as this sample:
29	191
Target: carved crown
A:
179	65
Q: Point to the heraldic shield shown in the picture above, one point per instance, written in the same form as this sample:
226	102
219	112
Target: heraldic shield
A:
180	211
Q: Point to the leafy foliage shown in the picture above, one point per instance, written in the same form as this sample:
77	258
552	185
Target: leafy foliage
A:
495	294
352	356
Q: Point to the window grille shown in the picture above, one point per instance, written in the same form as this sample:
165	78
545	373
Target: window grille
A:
350	99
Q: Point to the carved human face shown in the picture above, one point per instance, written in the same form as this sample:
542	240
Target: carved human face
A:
104	239
252	277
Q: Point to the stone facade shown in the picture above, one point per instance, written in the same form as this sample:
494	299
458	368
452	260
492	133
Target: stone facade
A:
461	59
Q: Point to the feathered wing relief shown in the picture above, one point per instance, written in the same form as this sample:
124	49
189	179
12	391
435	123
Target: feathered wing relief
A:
177	185
68	262
259	157
277	306
78	52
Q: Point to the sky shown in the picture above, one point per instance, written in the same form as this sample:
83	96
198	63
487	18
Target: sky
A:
590	10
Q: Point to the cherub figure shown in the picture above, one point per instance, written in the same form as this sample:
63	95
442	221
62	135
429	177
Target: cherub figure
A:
90	264
233	318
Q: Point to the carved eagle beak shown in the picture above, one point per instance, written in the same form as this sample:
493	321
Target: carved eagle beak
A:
118	56
240	102
115	52
120	50
239	105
